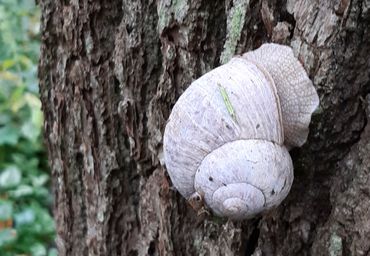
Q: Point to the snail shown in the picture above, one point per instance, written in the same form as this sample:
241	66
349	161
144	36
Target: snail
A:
227	138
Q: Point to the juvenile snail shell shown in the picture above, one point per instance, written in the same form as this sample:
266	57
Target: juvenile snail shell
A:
228	135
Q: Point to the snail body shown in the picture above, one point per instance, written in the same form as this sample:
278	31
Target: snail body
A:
227	138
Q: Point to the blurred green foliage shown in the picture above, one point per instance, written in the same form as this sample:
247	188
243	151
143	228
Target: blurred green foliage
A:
26	224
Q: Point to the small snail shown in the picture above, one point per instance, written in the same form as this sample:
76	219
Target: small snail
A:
227	139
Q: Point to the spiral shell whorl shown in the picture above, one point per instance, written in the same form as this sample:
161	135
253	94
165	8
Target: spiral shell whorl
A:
257	173
238	201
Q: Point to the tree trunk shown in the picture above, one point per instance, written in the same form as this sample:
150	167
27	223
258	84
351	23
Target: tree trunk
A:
110	72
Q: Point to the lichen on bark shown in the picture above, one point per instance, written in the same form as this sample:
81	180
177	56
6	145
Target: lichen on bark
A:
235	23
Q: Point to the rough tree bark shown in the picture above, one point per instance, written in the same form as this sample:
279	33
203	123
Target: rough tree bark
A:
111	70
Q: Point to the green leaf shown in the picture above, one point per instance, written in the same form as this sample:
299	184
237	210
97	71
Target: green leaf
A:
10	177
7	64
9	135
7	236
53	252
29	131
5	118
21	191
25	217
38	181
6	210
38	250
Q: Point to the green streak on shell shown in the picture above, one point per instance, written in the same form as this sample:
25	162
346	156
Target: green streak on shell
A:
227	102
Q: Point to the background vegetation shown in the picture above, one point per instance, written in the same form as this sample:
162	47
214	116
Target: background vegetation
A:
26	224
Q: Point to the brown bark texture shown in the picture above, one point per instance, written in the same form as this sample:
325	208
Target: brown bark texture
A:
111	70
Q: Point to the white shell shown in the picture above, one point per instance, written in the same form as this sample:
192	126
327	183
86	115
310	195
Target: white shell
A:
200	121
257	177
238	140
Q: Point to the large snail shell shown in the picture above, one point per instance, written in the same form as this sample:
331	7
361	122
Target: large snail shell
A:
225	137
200	123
